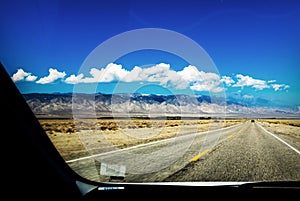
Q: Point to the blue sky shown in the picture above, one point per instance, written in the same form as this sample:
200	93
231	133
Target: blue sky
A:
254	46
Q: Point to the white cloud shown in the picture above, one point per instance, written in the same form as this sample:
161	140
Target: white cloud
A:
243	80
191	74
207	86
251	82
227	80
200	80
73	79
278	87
160	73
53	75
189	77
31	78
22	75
112	72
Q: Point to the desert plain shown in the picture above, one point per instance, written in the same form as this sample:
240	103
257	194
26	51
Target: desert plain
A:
79	138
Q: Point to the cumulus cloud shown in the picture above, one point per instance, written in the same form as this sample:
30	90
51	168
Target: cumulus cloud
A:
160	73
52	76
73	79
189	77
243	81
200	80
112	72
227	80
191	74
31	78
22	75
278	87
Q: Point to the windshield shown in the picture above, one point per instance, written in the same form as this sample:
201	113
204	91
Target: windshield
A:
162	91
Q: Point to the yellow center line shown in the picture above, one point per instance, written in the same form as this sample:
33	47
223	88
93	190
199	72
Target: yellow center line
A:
197	157
200	155
230	136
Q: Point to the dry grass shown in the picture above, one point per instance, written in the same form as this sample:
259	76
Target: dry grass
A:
287	127
78	138
290	122
53	126
74	139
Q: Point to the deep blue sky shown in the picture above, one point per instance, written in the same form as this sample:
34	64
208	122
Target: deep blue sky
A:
255	43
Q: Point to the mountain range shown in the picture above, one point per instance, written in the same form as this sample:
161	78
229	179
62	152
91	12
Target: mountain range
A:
79	105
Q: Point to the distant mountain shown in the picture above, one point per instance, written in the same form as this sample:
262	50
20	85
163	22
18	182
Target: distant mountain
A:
98	105
254	102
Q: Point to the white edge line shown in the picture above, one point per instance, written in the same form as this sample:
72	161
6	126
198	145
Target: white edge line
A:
290	146
149	143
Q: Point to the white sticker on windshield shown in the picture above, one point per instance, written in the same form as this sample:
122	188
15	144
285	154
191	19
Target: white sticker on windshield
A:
112	170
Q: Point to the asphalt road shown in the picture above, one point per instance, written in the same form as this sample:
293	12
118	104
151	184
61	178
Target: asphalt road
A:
244	152
252	154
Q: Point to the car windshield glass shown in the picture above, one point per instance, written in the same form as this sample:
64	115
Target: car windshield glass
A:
162	91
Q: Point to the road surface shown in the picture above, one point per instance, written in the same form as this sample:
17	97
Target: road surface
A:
253	154
243	152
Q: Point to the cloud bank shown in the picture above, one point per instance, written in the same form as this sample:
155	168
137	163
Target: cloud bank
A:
188	78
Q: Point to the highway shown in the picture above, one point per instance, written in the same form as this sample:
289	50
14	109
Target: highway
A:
243	152
253	154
